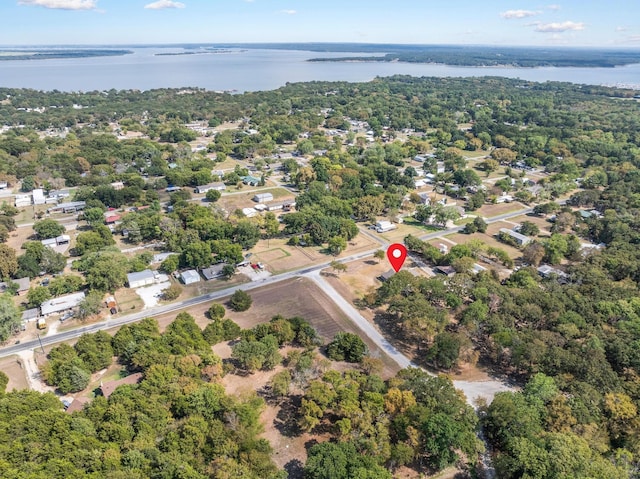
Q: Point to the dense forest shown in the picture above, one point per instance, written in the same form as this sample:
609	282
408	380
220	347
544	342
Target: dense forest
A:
572	344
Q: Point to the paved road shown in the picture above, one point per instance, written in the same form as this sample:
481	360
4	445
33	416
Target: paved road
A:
132	318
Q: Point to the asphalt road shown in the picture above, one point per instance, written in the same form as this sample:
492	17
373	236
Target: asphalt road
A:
303	271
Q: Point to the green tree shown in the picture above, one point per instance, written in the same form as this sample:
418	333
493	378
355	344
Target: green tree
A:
213	195
336	245
48	228
8	261
90	305
379	255
38	295
445	350
240	300
9	317
170	264
216	311
347	347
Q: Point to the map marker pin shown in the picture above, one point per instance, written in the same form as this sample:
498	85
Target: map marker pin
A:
397	253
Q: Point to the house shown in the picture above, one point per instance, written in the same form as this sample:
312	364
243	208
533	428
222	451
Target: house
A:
107	388
260	207
111	218
263	197
77	404
504	199
171	189
61	303
57	241
190	276
117	185
213	271
70	207
217	186
281	205
38	196
425	198
519	238
22	201
547	271
59	194
384	226
141	278
251	180
23	285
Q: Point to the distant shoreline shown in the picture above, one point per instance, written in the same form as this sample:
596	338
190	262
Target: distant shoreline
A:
35	54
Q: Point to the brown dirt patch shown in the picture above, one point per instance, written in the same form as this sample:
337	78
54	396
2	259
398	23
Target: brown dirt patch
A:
489	211
12	367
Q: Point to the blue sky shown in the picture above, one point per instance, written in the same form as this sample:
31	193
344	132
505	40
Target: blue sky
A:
610	23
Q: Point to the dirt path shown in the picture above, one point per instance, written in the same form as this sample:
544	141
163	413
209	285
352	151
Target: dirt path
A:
32	372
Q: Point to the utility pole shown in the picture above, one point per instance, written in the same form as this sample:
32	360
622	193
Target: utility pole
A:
40	341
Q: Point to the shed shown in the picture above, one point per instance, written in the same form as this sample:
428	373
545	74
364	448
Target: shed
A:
263	197
519	238
190	276
141	278
30	314
387	275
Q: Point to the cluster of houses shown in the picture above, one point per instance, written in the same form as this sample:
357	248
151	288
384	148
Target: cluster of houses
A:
190	276
37	197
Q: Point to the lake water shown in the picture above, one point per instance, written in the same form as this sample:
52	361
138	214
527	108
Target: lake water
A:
253	70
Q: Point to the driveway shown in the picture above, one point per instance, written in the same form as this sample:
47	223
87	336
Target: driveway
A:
151	294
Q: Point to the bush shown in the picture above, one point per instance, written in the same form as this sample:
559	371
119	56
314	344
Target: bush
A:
172	292
221	330
240	301
216	311
347	347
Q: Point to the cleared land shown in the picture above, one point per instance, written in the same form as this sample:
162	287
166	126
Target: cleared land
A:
13	368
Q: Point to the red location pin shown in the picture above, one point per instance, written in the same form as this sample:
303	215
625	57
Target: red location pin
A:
397	253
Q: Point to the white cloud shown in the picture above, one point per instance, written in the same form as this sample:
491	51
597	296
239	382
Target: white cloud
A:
554	7
511	14
622	29
62	4
162	4
288	12
559	27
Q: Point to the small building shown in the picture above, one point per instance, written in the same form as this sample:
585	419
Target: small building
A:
141	278
171	189
190	276
217	186
387	275
22	201
30	314
111	218
281	205
249	212
519	238
213	271
57	241
61	303
117	185
384	226
446	270
38	196
263	197
260	207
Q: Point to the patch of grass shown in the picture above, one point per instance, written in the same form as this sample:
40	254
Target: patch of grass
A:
417	224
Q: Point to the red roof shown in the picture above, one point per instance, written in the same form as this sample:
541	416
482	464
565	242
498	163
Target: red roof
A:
112	219
108	388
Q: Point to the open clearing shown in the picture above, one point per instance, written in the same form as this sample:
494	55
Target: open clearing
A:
12	367
489	211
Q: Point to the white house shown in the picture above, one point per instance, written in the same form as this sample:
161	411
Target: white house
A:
217	186
62	303
38	196
519	238
23	200
141	278
249	212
